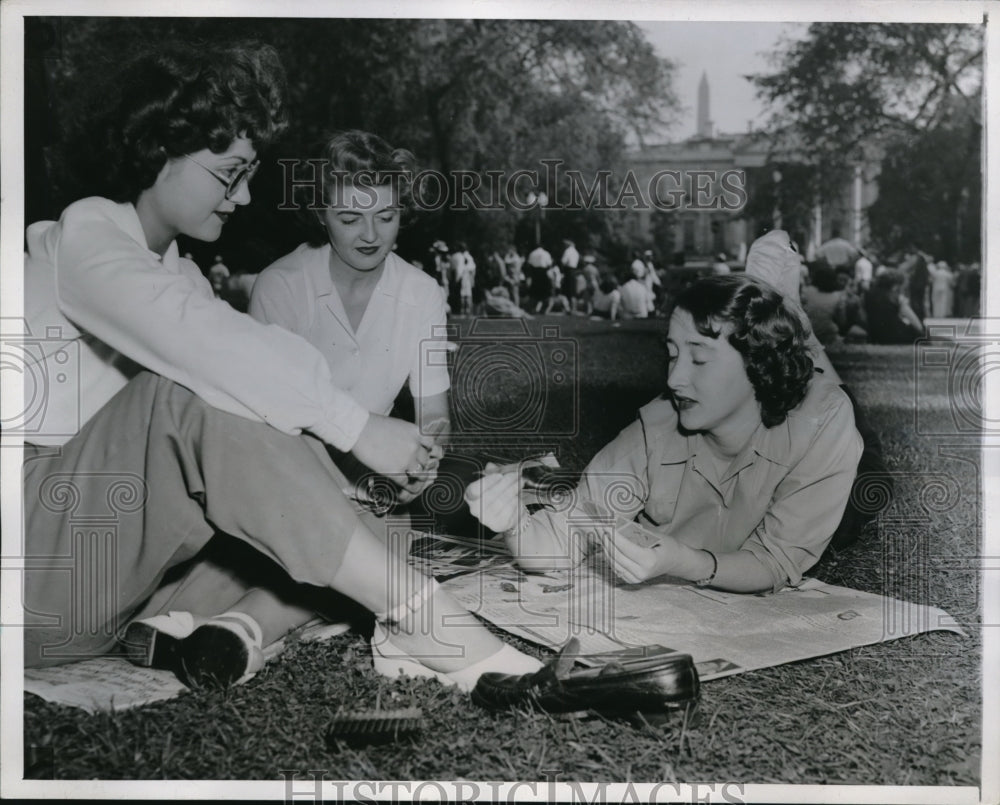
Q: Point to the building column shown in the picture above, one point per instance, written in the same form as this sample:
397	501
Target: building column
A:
856	211
817	230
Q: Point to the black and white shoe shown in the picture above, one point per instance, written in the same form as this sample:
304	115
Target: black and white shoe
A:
226	650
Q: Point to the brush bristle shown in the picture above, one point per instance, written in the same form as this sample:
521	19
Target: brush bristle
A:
363	727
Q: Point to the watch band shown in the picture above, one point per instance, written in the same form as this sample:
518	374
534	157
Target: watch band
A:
715	569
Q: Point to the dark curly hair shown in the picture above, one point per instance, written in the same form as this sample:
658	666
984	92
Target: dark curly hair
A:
765	331
178	99
356	157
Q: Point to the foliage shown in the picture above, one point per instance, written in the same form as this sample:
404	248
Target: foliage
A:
847	84
786	186
930	191
849	92
473	95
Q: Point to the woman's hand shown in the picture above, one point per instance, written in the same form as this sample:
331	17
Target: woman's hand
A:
634	563
393	447
414	482
495	498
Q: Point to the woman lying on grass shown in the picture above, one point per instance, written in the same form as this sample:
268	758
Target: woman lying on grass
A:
190	418
736	478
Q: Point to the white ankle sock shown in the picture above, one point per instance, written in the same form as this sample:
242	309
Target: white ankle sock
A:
176	623
248	627
391	661
507	660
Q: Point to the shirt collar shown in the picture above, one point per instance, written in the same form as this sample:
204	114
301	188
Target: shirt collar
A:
324	282
132	226
772	444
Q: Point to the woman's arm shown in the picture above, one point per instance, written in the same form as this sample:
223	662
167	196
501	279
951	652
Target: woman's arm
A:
908	315
434	416
738	571
796	528
434	421
550	540
114	288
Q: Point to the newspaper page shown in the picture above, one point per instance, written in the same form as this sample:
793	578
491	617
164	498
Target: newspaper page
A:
726	633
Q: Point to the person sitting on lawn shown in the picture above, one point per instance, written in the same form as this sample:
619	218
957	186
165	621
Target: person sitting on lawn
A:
891	320
736	477
191	418
370	313
607	298
374	318
637	301
823	301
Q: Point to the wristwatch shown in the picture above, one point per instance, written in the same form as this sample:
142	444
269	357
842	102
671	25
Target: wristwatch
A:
711	576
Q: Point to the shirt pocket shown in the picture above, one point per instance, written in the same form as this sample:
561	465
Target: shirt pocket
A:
664	489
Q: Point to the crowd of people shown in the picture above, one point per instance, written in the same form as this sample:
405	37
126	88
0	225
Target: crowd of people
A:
522	286
852	294
848	293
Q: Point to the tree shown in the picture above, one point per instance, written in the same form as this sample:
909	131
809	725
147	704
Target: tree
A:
463	95
849	92
498	95
930	191
846	84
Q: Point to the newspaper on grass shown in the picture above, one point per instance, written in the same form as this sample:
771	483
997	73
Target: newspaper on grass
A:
725	633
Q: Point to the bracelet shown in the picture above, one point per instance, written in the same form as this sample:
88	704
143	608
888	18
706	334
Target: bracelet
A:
523	519
715	569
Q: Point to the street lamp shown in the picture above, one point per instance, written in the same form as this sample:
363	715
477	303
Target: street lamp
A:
540	202
963	204
776	213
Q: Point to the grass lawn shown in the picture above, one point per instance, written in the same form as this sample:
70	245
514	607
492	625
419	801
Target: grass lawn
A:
906	712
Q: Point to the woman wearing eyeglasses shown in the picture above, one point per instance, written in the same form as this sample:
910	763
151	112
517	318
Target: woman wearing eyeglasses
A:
376	320
168	416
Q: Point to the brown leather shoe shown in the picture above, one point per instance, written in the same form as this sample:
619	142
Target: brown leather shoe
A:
647	684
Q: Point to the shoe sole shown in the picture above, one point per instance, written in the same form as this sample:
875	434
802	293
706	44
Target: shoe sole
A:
214	656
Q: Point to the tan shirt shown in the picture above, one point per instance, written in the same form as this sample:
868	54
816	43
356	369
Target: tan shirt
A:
781	499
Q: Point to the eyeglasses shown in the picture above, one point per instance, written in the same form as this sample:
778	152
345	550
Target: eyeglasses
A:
233	181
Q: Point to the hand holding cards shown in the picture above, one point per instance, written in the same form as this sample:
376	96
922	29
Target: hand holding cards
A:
496	499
